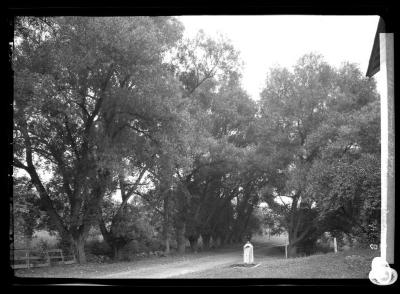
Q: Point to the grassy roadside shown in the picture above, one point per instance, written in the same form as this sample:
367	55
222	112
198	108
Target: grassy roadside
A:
353	264
93	270
272	264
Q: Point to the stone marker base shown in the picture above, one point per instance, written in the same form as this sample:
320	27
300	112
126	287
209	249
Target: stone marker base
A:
245	265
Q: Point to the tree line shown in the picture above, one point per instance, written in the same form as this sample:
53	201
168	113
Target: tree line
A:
126	107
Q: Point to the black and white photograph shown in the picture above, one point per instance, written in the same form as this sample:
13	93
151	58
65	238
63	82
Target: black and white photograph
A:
202	147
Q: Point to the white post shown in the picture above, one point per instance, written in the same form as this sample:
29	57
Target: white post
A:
248	256
386	90
286	250
335	245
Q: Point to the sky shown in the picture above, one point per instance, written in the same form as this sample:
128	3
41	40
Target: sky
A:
267	41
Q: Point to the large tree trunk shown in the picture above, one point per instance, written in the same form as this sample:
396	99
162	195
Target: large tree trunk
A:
222	240
206	241
214	241
167	246
297	231
242	237
293	227
166	236
193	240
219	241
227	235
106	234
227	239
293	239
111	242
79	249
292	250
166	180
166	224
181	239
78	238
117	252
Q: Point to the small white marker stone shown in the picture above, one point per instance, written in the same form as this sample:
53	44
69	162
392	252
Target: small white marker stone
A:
248	257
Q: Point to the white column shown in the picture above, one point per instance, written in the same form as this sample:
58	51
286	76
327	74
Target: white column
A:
248	256
386	90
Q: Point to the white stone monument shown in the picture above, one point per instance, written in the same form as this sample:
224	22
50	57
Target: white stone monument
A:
248	257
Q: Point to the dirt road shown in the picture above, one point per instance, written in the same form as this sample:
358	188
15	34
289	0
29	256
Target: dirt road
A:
172	266
178	268
192	265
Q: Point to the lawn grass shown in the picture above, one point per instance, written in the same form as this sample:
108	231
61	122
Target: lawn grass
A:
353	264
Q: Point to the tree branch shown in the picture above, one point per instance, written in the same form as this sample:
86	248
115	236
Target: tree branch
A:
17	163
70	137
129	193
99	102
149	201
61	165
284	204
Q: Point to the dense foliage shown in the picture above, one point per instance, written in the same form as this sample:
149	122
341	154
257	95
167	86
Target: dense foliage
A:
123	125
322	127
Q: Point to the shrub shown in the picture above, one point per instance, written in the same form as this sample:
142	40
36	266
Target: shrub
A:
97	247
43	245
323	248
97	258
65	245
156	245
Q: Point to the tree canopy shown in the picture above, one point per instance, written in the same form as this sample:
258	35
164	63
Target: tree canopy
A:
121	123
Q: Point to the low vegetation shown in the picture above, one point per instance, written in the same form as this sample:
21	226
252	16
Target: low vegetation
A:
354	264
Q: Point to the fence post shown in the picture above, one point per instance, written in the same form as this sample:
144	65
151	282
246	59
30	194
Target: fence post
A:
27	258
62	256
286	251
48	257
335	245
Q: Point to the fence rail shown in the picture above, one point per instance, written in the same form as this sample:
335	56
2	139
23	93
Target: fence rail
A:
28	258
279	245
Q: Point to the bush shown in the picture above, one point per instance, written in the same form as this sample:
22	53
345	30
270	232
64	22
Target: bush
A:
96	247
130	249
156	245
44	237
44	245
65	245
137	248
133	246
323	248
97	258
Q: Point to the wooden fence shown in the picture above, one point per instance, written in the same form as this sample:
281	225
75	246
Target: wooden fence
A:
28	258
281	245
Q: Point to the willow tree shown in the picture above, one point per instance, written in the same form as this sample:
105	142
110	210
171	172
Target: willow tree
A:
197	64
78	83
313	114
